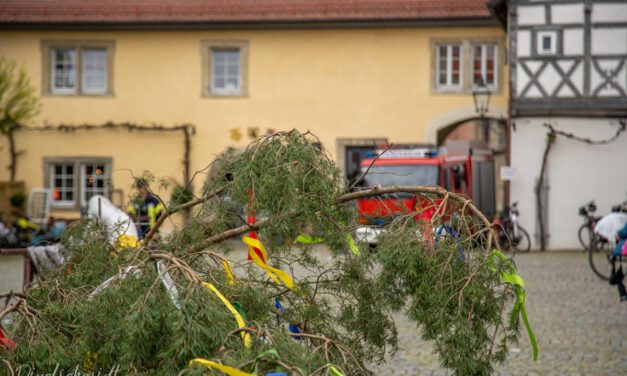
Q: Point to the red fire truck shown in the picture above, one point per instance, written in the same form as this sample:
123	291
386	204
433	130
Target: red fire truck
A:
471	174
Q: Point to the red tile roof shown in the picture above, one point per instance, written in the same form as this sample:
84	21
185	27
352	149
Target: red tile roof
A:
18	12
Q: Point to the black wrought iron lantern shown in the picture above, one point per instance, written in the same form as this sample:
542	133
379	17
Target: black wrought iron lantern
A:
481	96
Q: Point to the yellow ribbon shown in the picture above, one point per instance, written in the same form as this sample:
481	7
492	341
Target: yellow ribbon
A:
221	367
240	321
519	286
277	275
229	272
25	223
126	241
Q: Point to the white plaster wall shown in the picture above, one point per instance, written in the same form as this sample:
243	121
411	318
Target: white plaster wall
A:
577	173
609	12
573	42
523	43
567	13
531	15
609	41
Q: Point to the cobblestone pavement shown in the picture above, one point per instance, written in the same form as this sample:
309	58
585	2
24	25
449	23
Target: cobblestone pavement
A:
580	325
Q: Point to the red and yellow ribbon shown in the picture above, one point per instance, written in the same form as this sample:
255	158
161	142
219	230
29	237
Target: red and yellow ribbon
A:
257	252
240	321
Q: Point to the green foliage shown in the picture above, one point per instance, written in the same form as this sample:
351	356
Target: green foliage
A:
181	195
18	101
457	298
344	305
17	200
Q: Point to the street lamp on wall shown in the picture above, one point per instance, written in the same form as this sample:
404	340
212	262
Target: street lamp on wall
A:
481	97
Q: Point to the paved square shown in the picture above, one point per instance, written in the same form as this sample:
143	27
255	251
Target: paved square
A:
580	325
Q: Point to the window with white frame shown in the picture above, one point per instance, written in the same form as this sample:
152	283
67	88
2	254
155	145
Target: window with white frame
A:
94	68
63	70
78	68
484	64
448	66
225	71
62	183
225	66
74	181
546	43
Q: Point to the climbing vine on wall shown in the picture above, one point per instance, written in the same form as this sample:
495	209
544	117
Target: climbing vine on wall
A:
551	137
187	130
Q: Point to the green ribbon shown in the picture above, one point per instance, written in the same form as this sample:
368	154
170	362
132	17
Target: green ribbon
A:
308	239
271	352
512	278
334	370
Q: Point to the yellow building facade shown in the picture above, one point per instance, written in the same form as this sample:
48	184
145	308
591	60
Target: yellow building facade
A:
348	85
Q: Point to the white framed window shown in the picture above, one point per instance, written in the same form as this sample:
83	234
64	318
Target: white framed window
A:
225	67
77	68
449	66
225	71
63	70
62	183
485	65
94	70
73	181
546	43
94	180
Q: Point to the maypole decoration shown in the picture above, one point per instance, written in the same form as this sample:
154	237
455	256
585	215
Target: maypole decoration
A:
257	252
176	304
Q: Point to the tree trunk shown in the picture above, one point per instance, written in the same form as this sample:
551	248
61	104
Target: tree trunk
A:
12	153
550	139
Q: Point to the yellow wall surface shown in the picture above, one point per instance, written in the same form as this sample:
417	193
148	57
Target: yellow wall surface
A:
338	83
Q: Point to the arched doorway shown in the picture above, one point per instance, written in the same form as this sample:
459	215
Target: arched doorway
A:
461	130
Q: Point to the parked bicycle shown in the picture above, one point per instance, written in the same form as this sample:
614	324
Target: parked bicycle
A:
510	233
586	231
600	249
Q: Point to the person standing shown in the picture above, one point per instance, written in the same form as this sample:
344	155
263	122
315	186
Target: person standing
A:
145	209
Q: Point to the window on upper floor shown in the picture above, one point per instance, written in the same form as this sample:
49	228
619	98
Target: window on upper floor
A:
448	66
458	65
225	71
484	64
73	181
225	67
546	43
73	68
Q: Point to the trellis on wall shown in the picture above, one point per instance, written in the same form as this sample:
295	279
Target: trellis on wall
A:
187	130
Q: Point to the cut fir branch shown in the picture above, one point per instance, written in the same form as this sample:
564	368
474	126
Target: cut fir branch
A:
343	311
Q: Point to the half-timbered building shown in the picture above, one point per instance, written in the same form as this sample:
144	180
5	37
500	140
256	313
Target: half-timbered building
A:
568	73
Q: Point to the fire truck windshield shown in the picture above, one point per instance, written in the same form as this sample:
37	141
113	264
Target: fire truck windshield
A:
389	175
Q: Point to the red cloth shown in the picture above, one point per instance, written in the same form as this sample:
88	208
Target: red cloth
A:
6	342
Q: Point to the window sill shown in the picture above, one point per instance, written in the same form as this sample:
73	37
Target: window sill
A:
219	95
81	95
64	207
449	90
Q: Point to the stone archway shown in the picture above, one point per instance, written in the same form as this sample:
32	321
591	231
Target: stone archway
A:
461	129
451	119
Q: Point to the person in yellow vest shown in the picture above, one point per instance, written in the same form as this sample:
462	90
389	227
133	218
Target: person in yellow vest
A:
145	209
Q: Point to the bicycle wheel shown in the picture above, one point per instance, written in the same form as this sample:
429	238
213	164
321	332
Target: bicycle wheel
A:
599	258
522	243
584	236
